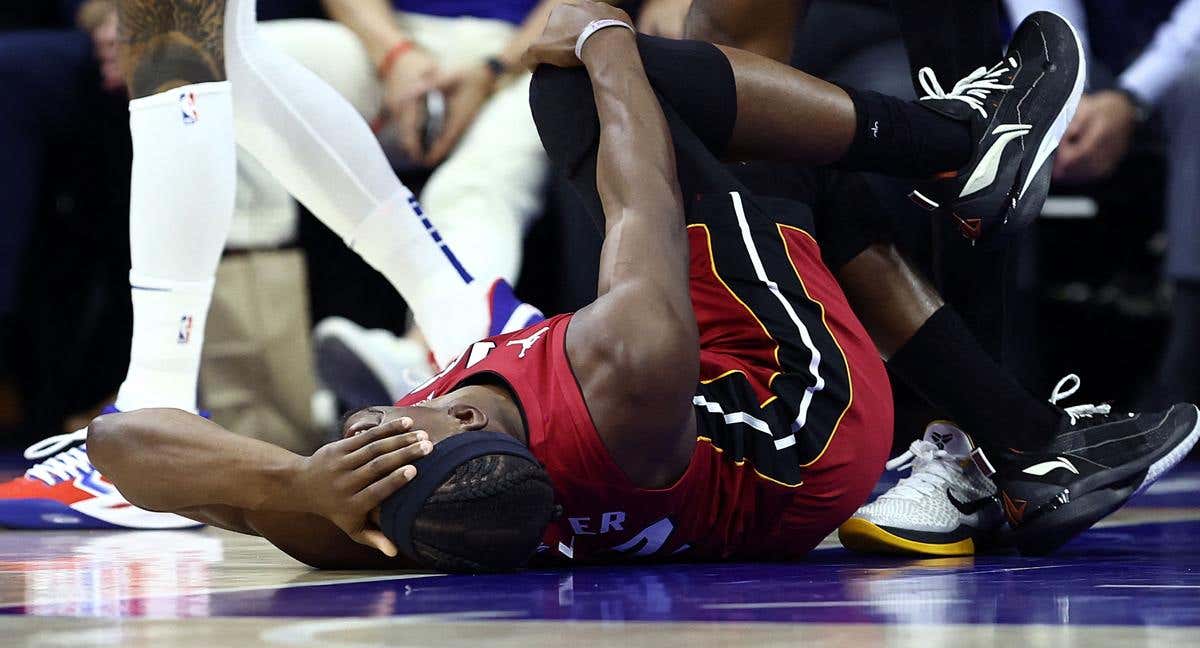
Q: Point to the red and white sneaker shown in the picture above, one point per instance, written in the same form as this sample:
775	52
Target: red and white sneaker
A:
65	491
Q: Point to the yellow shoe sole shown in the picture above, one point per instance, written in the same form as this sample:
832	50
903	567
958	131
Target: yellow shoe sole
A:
862	536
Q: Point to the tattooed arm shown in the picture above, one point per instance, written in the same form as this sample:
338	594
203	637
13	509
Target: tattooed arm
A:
166	44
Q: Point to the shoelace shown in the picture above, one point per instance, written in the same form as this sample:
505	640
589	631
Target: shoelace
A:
933	469
1076	412
61	465
972	89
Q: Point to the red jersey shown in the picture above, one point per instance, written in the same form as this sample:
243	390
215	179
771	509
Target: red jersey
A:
767	479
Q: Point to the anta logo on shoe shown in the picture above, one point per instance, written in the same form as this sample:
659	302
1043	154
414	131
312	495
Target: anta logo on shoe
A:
1046	467
989	165
940	440
968	508
971	228
1014	509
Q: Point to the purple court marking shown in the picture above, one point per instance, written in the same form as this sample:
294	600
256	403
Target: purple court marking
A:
1140	574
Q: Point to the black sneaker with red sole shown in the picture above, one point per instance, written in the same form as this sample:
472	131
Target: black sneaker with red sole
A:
1097	462
1018	110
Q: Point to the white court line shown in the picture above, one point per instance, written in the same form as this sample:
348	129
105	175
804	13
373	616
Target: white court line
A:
825	604
1150	586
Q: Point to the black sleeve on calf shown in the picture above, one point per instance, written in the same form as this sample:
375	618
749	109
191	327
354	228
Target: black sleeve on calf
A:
943	362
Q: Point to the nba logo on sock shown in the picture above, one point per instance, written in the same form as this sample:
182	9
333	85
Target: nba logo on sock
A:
185	329
187	104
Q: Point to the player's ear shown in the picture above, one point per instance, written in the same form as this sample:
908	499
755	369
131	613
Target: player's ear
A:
469	417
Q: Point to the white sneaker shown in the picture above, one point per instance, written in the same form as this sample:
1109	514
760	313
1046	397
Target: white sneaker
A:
365	367
65	491
945	507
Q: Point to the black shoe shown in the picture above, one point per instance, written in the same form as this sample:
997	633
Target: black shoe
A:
1098	461
1018	110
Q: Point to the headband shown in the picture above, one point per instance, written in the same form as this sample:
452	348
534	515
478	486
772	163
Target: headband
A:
399	511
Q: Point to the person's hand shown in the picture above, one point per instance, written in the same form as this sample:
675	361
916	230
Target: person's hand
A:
99	19
411	77
663	17
346	481
466	92
1097	139
556	45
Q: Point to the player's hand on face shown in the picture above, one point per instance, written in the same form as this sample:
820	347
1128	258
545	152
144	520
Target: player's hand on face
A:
466	92
1097	139
411	77
346	480
556	45
663	17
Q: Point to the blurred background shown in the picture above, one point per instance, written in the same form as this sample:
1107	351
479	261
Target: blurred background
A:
1104	285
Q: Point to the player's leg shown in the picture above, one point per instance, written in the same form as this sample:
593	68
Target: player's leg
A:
790	382
488	191
324	153
182	193
181	205
930	348
783	113
765	27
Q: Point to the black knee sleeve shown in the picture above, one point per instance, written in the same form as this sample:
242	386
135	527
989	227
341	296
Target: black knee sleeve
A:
696	79
565	114
693	78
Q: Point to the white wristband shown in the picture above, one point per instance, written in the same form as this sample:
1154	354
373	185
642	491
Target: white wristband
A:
595	26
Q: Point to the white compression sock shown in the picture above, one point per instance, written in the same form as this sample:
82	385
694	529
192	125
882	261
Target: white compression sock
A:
318	146
181	205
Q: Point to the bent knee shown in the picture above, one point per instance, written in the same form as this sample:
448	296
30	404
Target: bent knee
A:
564	111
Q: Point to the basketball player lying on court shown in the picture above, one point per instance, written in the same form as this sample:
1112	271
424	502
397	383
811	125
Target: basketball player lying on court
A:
719	399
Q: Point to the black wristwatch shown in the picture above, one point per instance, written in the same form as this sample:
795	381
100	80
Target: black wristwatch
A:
1141	112
497	67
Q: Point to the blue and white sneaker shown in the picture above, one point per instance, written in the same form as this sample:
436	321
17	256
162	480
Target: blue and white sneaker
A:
508	313
364	367
65	491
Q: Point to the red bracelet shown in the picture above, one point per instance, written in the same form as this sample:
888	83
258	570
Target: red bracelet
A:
393	55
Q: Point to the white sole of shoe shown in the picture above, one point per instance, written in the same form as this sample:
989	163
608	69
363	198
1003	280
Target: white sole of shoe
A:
115	510
343	341
1172	459
1054	135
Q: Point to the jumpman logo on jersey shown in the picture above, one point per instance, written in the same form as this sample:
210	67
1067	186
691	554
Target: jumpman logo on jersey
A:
527	343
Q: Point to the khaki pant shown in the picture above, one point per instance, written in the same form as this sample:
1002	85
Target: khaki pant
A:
256	376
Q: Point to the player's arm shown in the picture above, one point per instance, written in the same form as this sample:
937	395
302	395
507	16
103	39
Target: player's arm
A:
172	461
636	347
765	27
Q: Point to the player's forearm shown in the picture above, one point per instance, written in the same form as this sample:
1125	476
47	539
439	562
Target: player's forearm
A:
373	21
169	460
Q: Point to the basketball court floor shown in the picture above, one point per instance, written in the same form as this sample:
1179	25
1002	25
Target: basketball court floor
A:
1134	580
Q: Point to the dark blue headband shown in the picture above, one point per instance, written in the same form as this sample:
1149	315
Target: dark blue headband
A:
399	511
